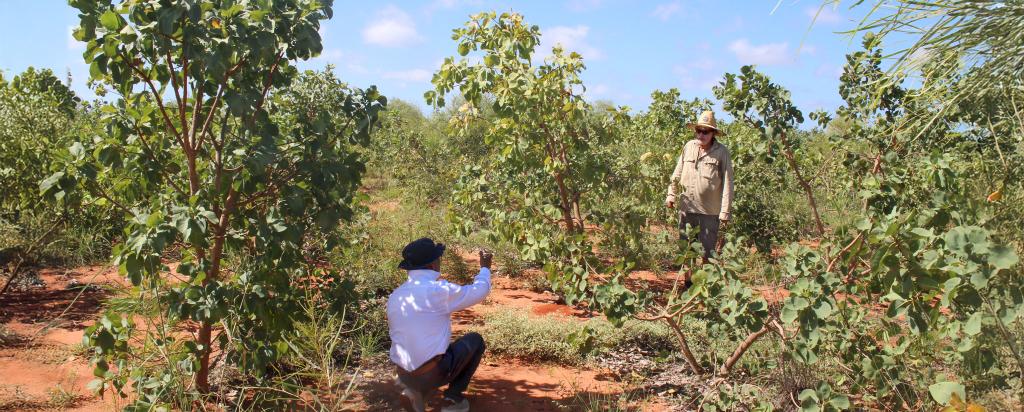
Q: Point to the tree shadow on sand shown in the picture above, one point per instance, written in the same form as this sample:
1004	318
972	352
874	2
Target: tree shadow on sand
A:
493	395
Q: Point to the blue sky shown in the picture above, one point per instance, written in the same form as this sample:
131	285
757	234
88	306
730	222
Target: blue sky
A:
631	47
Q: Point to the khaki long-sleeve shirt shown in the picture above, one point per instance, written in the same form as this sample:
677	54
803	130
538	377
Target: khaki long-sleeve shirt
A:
705	178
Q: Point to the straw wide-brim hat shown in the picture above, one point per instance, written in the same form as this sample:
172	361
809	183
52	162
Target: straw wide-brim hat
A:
706	120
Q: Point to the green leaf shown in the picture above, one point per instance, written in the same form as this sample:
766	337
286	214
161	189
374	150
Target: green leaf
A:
95	385
808	400
1002	257
956	238
823	309
77	150
46	184
111	20
980	277
942	392
840	402
973	324
922	232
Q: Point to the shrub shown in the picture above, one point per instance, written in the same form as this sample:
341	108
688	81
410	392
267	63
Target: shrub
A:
556	339
515	333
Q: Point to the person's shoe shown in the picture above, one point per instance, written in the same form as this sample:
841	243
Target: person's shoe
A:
414	396
415	399
453	406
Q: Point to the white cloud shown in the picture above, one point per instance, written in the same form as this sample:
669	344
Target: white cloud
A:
584	5
808	49
353	63
764	54
597	90
71	42
919	57
449	4
688	80
357	68
828	70
571	39
826	15
703	63
665	11
736	24
392	28
412	76
331	55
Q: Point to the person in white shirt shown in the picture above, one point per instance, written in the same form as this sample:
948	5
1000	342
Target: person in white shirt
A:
419	322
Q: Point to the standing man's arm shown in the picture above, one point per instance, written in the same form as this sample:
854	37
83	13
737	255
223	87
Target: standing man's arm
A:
670	200
727	189
461	297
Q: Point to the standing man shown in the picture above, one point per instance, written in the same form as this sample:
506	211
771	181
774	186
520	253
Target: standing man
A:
420	324
704	172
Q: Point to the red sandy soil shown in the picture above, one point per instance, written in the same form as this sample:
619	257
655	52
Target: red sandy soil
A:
48	323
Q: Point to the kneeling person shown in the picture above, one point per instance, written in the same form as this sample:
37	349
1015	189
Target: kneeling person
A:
419	321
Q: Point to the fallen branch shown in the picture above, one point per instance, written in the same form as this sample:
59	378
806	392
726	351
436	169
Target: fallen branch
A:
23	255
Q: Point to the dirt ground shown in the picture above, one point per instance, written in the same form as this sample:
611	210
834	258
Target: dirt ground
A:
42	364
44	367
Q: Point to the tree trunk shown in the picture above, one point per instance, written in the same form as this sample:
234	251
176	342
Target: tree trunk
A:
875	168
565	203
193	173
791	159
685	347
203	376
577	211
14	274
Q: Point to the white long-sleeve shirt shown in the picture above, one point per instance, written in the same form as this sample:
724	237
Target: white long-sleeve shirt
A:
419	314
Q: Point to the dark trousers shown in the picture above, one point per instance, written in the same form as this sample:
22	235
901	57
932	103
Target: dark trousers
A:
456	368
707	226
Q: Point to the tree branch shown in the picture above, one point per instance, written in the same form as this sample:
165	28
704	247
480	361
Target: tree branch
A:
685	347
149	151
156	96
740	350
835	259
791	159
177	94
209	116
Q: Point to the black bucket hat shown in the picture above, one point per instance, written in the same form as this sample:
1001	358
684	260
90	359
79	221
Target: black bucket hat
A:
420	253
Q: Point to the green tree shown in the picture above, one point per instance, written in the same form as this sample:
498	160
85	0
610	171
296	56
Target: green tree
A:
36	112
218	148
38	119
537	189
765	106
